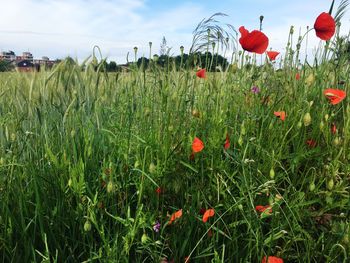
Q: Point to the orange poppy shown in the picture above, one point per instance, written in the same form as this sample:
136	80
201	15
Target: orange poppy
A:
262	209
255	41
280	114
208	213
201	73
334	96
197	145
272	54
175	216
272	259
324	26
227	142
297	76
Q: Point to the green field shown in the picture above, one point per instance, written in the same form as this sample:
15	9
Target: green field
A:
91	161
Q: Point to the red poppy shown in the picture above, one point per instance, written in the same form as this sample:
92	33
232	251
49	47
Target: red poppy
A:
324	26
272	54
262	209
272	260
197	145
297	76
159	190
227	142
175	216
255	41
311	143
334	96
333	128
201	73
280	114
208	213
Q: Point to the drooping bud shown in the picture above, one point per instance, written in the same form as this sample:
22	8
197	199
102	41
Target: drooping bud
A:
307	119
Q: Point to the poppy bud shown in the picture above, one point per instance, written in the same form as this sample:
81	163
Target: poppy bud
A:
2	161
272	173
330	184
307	119
152	168
299	124
182	49
13	137
240	207
312	187
110	187
240	141
70	182
326	117
243	131
144	238
137	164
336	141
87	226
321	125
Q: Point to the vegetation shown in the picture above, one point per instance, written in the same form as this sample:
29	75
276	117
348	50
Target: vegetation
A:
97	166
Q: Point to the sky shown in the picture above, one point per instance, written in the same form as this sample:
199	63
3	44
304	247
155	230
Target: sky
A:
60	28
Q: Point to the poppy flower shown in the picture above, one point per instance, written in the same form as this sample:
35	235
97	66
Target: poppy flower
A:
333	128
297	76
311	143
334	96
175	216
197	145
208	213
324	26
227	142
272	54
262	209
255	41
272	260
159	190
201	73
280	114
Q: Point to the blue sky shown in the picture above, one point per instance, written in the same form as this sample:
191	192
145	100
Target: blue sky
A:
58	28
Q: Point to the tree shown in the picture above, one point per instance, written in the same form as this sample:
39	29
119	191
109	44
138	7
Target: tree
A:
163	47
5	66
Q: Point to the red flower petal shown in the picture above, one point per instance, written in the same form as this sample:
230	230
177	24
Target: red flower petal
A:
311	143
280	114
297	76
324	26
208	213
262	208
272	54
201	73
227	142
255	41
272	260
333	128
334	96
175	216
197	145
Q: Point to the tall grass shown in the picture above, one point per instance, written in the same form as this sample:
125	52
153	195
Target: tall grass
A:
82	153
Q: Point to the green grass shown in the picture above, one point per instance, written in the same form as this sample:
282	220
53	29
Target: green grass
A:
83	152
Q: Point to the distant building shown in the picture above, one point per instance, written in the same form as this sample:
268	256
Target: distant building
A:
8	56
26	62
25	56
25	66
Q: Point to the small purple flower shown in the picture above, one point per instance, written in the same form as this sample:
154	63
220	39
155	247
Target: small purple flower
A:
156	227
255	89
